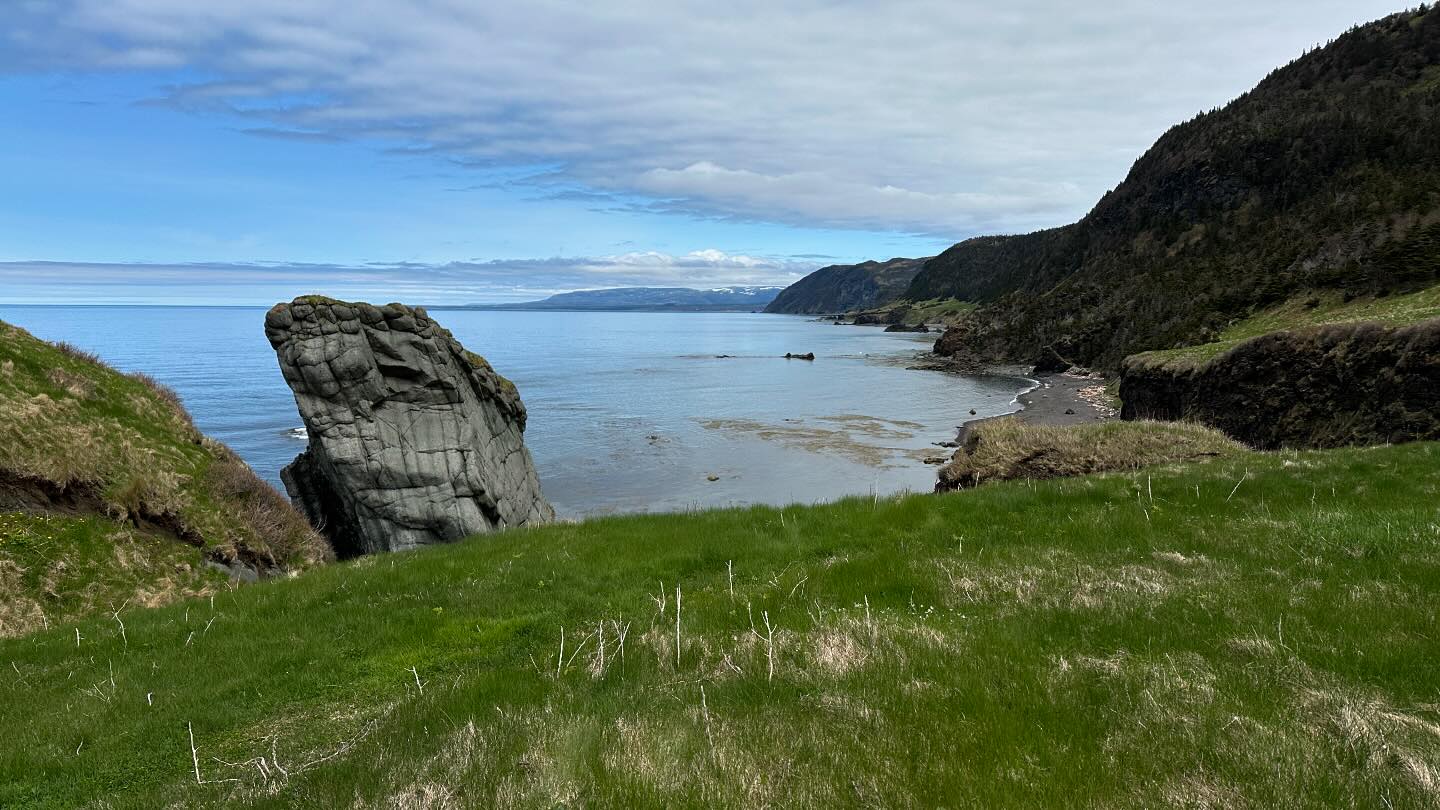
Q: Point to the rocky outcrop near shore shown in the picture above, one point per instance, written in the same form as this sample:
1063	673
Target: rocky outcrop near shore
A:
413	439
1327	386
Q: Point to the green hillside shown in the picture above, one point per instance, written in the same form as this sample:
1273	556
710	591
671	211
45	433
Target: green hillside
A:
109	495
1313	310
1324	177
1253	631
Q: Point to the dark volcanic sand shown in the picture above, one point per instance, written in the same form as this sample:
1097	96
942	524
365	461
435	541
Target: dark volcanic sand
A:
1057	393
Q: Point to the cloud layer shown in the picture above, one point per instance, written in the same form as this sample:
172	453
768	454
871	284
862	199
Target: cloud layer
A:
434	284
946	117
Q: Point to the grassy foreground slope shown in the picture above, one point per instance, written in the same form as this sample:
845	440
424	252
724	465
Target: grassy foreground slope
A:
1257	630
109	495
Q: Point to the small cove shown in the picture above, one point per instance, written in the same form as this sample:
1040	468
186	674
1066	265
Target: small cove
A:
629	412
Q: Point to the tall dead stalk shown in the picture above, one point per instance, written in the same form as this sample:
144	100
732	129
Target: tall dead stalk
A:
768	638
677	627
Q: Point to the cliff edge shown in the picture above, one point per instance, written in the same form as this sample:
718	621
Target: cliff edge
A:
1322	386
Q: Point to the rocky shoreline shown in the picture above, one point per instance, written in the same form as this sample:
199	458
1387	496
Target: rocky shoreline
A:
1056	399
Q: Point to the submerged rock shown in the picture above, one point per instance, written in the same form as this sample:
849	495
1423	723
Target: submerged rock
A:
412	439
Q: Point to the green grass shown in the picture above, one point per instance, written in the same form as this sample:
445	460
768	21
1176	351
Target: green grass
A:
58	568
1258	630
938	310
943	311
115	466
1312	310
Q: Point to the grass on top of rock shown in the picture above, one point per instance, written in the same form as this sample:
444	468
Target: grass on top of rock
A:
1316	309
1256	631
936	311
944	311
1007	448
114	465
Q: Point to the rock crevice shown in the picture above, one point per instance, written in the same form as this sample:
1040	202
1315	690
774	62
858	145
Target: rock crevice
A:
413	439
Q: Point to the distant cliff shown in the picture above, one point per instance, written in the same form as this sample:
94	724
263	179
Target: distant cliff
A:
847	287
651	299
1323	176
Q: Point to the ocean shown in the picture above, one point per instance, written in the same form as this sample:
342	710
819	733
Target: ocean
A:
629	412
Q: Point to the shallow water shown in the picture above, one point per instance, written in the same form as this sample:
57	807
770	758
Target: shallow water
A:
628	411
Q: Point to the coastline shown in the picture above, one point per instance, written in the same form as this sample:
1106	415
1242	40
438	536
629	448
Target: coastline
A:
1055	400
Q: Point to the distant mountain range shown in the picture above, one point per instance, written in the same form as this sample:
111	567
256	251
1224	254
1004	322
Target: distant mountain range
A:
846	287
650	299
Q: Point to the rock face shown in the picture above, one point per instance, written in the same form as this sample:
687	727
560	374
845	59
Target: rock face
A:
1327	386
413	439
1050	362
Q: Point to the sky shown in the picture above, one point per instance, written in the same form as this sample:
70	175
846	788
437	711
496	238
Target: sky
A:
453	151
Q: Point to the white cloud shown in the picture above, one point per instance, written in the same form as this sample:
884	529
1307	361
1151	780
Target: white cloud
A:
842	203
936	116
492	281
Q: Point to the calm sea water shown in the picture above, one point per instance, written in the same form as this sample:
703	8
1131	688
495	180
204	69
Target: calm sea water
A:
628	411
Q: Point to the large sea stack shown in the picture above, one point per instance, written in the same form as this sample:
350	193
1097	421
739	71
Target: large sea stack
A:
413	439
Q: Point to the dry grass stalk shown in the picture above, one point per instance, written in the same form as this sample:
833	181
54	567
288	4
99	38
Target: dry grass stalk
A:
115	614
195	760
705	715
768	640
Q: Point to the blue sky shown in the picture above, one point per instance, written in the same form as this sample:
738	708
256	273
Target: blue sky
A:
246	151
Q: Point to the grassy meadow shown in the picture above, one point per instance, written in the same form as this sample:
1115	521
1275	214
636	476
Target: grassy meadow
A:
1257	630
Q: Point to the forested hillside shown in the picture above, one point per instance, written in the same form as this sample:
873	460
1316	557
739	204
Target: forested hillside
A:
846	287
1326	176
